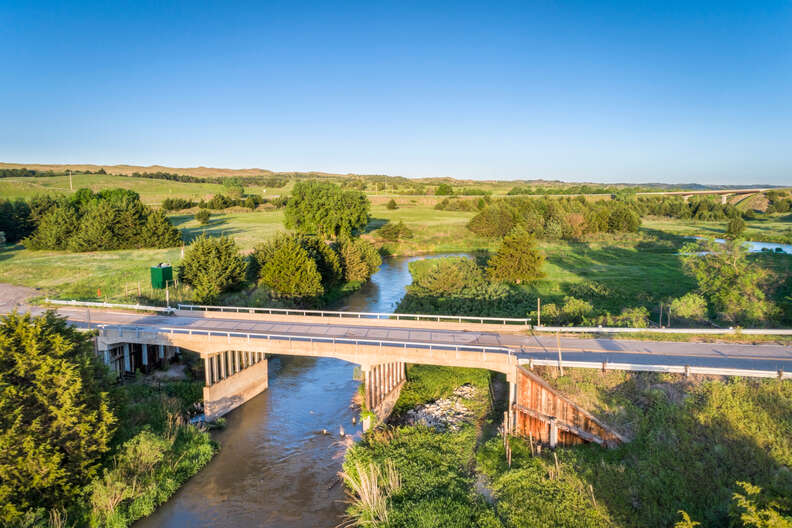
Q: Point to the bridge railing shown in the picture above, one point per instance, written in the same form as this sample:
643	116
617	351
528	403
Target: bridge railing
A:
93	304
139	331
359	315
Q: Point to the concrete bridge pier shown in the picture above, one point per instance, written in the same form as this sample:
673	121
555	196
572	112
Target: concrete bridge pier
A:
382	384
232	378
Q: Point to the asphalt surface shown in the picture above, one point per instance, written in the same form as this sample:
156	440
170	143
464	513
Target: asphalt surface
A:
664	353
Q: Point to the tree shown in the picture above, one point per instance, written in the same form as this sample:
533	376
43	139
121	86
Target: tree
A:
55	420
493	221
690	306
755	509
158	232
326	210
731	283
359	258
444	189
327	260
392	205
735	228
202	216
394	232
287	268
55	230
213	266
517	260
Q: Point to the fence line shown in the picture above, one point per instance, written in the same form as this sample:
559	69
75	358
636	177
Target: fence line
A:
358	315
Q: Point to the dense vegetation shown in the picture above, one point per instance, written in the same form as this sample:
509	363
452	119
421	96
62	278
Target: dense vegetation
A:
300	267
88	221
555	218
76	450
266	181
326	209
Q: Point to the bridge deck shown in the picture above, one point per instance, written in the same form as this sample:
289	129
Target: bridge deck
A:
712	355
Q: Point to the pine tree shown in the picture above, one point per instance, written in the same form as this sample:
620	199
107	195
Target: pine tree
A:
288	269
55	420
517	260
213	266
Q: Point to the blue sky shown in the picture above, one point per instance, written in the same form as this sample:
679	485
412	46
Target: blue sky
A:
578	91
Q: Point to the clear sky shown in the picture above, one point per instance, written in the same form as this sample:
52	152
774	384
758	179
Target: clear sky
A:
581	91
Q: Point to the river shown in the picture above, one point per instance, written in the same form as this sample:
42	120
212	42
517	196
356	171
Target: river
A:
275	468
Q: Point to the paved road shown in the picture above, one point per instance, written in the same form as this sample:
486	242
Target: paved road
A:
715	355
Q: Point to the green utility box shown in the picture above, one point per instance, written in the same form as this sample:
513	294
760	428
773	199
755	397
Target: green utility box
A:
161	275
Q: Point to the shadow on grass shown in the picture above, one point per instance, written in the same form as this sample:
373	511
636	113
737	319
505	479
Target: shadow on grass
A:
374	224
214	228
689	447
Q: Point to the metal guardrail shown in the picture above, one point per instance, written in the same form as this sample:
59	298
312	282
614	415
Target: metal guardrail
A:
622	330
673	369
137	331
359	315
91	304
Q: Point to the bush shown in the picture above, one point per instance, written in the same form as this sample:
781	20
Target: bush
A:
394	232
444	189
492	222
391	205
690	306
359	259
176	204
735	228
202	216
517	260
212	266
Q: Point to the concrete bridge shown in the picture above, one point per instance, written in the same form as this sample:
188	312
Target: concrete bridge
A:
235	346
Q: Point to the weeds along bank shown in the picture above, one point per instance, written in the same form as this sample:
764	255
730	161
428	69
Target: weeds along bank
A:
718	450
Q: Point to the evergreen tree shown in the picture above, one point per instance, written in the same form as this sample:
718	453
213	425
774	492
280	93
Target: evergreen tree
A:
287	268
55	421
213	266
517	260
158	232
359	258
97	229
55	230
327	261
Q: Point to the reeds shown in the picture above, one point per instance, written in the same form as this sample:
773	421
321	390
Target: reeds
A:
369	488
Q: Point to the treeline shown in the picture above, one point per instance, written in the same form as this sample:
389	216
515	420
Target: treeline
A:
32	173
87	221
705	208
555	219
576	189
218	201
265	181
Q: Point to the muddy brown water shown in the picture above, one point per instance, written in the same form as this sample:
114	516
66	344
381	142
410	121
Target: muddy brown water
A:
275	468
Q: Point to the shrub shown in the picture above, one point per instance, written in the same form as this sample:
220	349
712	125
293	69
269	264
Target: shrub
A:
735	227
517	260
212	266
202	216
394	232
444	189
391	205
690	306
359	259
176	204
492	222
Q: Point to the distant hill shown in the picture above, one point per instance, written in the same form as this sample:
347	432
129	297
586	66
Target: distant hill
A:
212	172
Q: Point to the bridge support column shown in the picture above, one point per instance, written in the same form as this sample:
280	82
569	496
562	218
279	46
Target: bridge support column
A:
382	386
127	362
144	355
225	393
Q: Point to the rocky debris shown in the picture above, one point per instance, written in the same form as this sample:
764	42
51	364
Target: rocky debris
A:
445	414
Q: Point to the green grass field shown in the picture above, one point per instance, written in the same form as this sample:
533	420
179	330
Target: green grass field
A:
641	269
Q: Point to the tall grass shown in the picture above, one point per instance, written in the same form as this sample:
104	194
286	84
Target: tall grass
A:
369	489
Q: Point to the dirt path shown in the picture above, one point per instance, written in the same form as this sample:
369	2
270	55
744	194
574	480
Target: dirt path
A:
14	296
